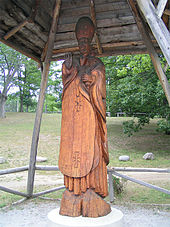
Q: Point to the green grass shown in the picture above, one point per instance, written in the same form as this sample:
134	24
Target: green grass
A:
15	143
16	134
146	140
134	193
7	199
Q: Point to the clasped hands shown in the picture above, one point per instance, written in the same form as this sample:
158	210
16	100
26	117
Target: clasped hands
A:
87	78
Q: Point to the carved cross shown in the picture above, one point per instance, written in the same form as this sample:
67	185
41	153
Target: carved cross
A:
76	159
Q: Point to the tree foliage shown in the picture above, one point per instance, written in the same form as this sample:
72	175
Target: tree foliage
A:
28	81
133	88
54	88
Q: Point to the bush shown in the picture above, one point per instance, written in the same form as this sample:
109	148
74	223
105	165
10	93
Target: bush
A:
118	185
164	126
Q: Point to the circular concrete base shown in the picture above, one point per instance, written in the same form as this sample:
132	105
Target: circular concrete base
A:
114	219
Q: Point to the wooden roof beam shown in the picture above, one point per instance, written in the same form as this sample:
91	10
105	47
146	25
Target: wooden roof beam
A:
30	19
160	7
157	26
167	12
93	17
155	59
107	45
15	29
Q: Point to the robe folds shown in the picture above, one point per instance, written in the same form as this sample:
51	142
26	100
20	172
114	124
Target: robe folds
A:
83	147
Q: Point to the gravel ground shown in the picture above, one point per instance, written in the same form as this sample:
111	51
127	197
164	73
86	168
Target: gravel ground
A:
34	214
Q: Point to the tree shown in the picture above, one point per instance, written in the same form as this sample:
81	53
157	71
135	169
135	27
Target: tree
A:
54	88
9	64
134	88
28	81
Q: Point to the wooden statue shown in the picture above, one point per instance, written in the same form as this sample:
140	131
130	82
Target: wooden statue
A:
83	149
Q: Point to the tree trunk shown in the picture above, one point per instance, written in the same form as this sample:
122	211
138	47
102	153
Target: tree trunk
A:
21	103
3	99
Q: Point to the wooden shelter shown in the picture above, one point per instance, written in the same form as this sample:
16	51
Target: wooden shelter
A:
44	31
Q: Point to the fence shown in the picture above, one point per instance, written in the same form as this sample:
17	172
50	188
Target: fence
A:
110	171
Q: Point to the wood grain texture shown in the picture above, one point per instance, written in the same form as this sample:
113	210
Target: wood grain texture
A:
93	205
83	147
88	204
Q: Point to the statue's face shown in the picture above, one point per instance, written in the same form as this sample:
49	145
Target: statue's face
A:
84	46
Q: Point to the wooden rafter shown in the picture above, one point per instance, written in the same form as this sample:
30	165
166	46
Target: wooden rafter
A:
167	12
30	19
15	29
36	131
93	17
155	59
157	26
160	8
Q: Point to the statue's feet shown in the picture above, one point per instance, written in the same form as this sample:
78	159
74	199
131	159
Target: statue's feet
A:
89	204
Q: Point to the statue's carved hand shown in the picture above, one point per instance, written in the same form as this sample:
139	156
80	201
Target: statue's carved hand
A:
68	60
87	78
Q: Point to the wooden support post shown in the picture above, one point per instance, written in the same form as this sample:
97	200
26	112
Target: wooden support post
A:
93	17
155	59
161	7
157	26
111	189
46	65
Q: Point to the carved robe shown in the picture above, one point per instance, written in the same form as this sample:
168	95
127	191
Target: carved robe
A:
83	148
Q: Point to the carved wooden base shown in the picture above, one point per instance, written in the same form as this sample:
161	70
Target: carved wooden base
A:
88	204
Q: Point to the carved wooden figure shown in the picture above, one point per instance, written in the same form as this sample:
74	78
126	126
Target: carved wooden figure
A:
83	149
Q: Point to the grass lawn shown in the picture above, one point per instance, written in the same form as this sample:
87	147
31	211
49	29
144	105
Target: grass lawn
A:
146	140
15	142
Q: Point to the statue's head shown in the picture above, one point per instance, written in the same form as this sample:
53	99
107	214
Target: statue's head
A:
84	34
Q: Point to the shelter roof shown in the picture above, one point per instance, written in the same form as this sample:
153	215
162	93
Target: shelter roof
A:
116	28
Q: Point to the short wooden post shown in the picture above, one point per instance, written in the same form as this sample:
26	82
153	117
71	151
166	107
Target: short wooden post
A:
111	189
46	65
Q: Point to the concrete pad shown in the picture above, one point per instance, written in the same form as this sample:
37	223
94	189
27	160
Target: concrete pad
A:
113	219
